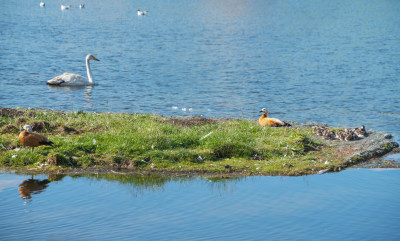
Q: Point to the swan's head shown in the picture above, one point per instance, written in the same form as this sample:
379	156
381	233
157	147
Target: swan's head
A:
264	110
27	128
89	57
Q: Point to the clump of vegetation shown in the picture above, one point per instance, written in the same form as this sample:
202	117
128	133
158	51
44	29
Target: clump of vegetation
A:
121	140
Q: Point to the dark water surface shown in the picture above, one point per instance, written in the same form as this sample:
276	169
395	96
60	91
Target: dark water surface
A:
337	206
327	61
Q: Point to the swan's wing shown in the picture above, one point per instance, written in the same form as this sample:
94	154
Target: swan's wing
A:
68	79
55	81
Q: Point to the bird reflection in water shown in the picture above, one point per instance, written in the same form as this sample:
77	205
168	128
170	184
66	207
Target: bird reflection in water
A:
67	92
35	186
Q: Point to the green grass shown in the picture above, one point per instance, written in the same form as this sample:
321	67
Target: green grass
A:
143	141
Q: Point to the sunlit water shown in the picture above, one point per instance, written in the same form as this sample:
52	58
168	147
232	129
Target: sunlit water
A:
327	61
337	206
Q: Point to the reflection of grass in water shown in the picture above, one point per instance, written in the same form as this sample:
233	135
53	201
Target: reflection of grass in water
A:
223	185
84	139
152	182
138	183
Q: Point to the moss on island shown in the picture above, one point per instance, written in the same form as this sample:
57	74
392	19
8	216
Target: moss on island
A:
153	143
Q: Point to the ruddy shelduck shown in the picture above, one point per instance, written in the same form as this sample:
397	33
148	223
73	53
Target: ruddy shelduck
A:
264	120
28	138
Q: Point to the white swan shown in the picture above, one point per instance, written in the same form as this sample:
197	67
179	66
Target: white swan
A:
81	5
140	13
64	7
75	79
42	4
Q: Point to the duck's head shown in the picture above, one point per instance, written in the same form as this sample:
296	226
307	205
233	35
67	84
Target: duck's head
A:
27	128
89	57
264	110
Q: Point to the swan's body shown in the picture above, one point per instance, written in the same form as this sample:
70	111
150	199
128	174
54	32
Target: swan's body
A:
81	5
265	121
74	79
140	13
42	4
64	7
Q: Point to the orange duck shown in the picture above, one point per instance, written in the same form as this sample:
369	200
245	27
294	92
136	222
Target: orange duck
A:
28	138
265	121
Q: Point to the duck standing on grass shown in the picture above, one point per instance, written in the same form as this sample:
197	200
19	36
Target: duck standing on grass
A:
265	121
28	138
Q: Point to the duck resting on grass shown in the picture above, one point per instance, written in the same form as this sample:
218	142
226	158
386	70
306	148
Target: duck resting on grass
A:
266	121
28	138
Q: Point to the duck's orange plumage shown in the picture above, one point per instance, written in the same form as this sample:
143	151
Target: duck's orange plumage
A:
27	138
264	120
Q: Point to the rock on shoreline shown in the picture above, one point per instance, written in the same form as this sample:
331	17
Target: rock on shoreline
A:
373	145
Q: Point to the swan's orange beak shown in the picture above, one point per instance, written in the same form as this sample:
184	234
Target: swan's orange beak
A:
94	58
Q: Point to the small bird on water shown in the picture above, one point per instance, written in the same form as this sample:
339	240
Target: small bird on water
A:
28	138
141	13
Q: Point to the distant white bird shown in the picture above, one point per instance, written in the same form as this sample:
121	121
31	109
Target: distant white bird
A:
42	4
140	13
68	79
81	5
64	7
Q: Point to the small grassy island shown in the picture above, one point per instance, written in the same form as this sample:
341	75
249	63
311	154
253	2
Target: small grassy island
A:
85	141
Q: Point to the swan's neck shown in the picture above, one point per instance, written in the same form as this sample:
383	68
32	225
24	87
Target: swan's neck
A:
89	73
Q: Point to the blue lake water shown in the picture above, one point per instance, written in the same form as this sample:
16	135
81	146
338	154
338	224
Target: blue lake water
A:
336	206
327	61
